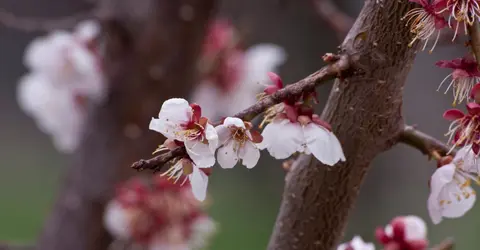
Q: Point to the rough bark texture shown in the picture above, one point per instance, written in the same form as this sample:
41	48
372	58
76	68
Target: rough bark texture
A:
151	50
365	113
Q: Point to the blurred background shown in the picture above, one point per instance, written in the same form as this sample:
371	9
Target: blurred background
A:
245	202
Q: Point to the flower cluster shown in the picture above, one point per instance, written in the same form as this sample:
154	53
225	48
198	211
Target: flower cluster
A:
230	73
402	233
293	128
158	215
432	16
65	78
451	194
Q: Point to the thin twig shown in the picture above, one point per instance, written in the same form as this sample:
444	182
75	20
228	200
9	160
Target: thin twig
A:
423	142
33	24
339	65
474	33
447	244
338	20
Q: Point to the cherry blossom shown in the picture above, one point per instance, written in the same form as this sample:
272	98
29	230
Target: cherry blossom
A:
462	11
424	22
230	73
64	79
404	233
356	243
293	127
158	215
464	76
464	129
451	195
238	141
180	121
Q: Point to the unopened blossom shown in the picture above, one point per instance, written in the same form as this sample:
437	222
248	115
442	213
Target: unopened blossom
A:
238	141
451	195
293	127
464	76
465	127
230	74
178	120
461	11
158	215
356	243
404	233
424	23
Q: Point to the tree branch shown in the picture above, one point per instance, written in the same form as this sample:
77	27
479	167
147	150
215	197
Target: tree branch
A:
423	142
365	111
447	244
339	21
32	24
474	33
339	67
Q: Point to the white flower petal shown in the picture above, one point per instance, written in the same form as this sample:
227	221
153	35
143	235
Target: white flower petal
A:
323	144
282	139
458	208
249	154
199	182
212	137
233	121
415	228
261	59
471	163
116	221
48	54
258	61
207	96
226	155
223	133
87	30
173	114
200	153
357	243
447	198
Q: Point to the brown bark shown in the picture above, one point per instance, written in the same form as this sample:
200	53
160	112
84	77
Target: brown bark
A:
365	113
151	50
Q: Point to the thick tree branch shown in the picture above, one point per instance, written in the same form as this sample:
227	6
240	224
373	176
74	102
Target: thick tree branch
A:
339	21
423	142
150	56
474	33
339	67
447	244
365	111
33	24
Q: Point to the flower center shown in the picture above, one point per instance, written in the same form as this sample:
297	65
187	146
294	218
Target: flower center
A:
193	131
240	136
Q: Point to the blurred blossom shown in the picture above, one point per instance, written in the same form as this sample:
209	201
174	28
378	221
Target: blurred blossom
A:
404	233
159	215
356	243
231	75
65	78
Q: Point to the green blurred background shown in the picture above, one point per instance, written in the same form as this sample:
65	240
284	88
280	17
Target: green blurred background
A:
245	202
